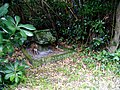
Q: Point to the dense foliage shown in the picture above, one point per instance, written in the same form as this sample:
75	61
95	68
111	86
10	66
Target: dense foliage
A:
87	22
12	34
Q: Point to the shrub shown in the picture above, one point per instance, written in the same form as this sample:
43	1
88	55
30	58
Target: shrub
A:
105	60
12	34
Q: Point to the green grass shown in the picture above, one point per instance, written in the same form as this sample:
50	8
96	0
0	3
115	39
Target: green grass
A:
79	71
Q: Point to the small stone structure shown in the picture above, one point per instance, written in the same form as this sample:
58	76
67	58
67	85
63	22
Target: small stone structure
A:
44	38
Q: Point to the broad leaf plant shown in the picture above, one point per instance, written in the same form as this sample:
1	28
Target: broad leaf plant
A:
12	34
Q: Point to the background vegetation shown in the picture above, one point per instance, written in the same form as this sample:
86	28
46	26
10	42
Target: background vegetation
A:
82	22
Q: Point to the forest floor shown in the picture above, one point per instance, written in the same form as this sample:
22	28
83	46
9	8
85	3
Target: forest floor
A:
72	73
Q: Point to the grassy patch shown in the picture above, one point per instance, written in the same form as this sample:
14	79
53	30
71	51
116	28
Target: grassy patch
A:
80	71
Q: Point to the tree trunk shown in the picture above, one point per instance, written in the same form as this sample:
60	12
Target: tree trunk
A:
116	40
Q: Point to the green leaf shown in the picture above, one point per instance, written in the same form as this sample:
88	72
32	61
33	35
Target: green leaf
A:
8	71
9	26
13	29
16	79
28	33
19	73
7	76
10	67
6	30
27	26
21	68
116	58
23	34
10	19
16	65
1	71
4	9
17	19
12	78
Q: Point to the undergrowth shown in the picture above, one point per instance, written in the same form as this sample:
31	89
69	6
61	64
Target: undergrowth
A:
103	59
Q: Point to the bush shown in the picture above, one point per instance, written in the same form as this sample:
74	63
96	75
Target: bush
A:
12	34
11	73
105	60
